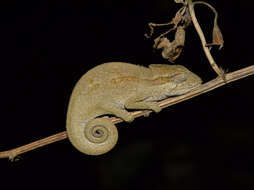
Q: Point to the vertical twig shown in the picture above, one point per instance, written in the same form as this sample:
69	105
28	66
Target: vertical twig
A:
215	67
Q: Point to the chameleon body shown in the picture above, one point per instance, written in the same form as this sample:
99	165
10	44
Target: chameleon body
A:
110	89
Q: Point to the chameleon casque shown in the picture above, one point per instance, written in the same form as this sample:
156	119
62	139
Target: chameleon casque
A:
110	89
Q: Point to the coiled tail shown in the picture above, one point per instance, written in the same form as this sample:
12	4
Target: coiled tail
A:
95	137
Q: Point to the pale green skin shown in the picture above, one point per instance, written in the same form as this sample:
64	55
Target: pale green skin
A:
110	89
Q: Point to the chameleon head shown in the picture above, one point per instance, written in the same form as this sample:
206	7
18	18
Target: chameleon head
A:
175	79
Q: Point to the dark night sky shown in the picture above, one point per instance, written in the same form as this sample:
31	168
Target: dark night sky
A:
46	46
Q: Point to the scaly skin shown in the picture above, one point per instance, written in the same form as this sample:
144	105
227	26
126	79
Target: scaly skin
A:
110	89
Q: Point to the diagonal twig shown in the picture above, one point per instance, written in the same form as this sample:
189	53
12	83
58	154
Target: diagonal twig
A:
211	85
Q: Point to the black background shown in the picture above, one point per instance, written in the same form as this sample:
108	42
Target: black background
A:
202	143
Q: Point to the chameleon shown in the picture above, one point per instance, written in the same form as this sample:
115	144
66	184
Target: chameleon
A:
114	88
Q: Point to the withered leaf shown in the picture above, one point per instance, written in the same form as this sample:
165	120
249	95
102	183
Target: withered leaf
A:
162	43
186	18
171	50
178	18
217	36
180	36
171	53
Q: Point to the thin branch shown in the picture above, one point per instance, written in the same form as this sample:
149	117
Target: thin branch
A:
208	5
230	77
215	67
13	153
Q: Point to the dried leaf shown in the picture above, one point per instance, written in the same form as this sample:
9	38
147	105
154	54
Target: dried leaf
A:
171	50
217	36
180	36
166	46
167	52
186	18
151	27
178	18
171	53
162	43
